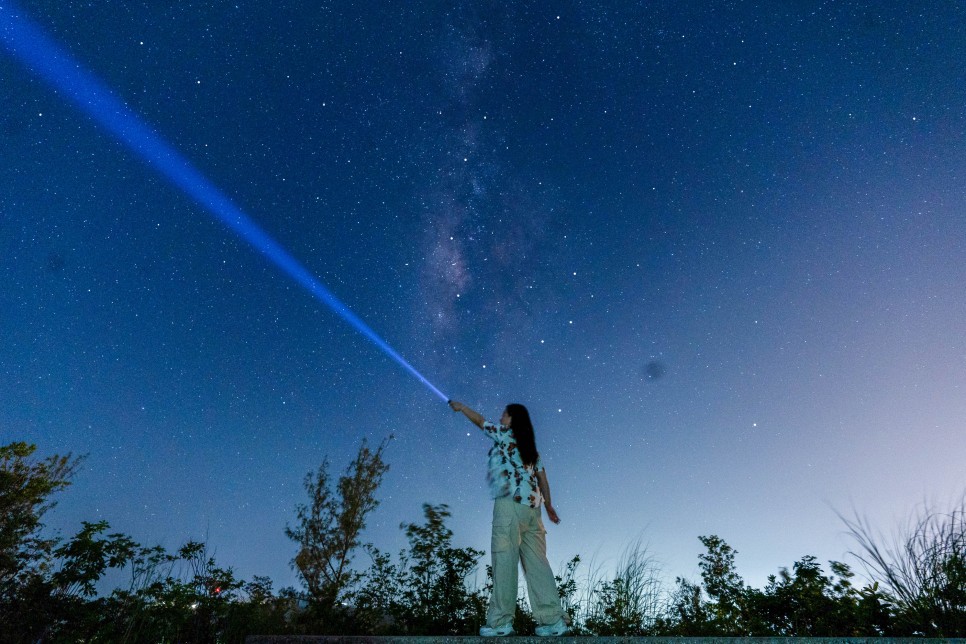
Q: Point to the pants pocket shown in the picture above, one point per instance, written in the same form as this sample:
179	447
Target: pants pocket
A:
504	524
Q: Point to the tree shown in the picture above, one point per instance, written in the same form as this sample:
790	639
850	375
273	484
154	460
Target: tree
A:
434	575
378	599
801	603
181	596
724	586
807	603
26	485
427	592
725	612
329	527
25	489
687	614
85	558
48	585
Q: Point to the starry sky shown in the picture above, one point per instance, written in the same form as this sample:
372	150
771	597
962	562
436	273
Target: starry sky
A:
718	249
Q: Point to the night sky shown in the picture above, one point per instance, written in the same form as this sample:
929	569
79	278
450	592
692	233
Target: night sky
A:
718	249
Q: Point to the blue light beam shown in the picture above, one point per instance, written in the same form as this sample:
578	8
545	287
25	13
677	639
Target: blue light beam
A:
27	43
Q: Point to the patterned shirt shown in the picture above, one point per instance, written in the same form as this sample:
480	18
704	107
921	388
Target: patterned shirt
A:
507	474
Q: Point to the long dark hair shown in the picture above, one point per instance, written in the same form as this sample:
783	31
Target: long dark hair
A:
523	433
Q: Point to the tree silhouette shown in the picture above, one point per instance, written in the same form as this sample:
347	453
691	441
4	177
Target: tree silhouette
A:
329	527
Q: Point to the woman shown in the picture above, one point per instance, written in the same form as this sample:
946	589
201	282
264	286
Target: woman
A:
518	484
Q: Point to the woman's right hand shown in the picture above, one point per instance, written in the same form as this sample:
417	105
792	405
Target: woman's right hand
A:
474	417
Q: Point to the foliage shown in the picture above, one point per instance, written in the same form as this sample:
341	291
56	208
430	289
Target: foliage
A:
428	592
523	620
567	589
687	614
329	528
718	606
49	586
724	586
435	575
808	603
26	486
378	598
631	602
923	571
802	603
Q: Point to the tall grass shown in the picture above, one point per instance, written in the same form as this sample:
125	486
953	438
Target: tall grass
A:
922	568
628	603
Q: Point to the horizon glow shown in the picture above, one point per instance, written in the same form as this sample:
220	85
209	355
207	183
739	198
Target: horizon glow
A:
27	43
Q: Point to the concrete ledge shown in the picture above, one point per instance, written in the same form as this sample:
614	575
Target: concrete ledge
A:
532	639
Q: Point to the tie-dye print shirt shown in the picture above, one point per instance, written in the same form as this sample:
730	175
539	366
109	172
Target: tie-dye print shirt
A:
507	474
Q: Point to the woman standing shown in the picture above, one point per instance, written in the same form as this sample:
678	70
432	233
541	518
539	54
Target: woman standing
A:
518	484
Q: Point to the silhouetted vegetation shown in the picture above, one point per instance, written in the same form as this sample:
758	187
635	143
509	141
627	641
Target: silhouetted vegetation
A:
328	532
430	590
49	586
923	570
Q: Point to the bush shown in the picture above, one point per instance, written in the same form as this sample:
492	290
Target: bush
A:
428	592
48	586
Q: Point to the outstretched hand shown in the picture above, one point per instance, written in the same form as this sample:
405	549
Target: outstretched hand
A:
552	514
474	417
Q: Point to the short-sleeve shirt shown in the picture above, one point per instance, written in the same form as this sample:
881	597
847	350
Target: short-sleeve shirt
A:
506	474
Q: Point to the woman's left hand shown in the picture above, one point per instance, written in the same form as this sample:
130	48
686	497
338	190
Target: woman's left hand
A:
552	514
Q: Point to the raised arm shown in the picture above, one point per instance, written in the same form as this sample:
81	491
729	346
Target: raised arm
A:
469	413
545	491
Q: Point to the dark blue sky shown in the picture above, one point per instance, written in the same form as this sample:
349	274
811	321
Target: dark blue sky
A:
718	249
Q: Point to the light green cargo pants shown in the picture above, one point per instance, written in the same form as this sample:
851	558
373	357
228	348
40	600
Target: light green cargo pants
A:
519	536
